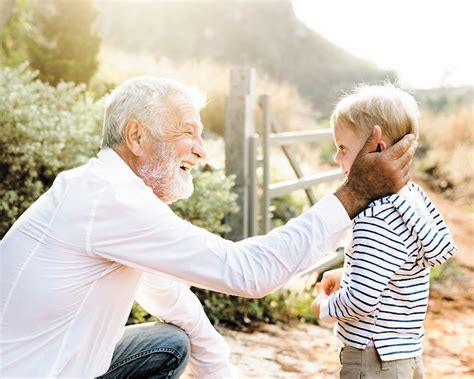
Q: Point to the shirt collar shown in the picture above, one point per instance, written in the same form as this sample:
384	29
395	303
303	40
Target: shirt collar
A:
109	157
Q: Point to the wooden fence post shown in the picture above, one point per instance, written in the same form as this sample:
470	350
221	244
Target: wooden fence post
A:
239	125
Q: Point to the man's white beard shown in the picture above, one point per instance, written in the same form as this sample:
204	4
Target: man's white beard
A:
162	173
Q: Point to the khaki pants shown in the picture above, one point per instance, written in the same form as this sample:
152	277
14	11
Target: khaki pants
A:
366	364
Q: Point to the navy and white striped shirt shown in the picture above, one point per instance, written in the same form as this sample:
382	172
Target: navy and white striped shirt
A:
385	286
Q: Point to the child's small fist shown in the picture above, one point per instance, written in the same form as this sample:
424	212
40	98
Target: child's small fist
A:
315	307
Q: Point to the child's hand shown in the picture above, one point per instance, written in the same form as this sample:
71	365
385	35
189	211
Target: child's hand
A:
315	306
331	281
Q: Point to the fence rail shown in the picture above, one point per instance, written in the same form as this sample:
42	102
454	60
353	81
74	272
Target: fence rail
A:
288	186
287	138
273	135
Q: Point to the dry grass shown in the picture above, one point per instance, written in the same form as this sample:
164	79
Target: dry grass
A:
447	154
292	109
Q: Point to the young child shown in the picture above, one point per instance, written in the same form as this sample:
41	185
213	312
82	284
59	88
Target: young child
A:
383	295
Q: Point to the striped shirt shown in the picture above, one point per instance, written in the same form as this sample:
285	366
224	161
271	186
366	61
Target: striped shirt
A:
384	290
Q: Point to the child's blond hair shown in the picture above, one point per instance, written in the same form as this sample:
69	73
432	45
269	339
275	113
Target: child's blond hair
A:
394	110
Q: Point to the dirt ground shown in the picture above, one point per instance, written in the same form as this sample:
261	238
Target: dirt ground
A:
311	351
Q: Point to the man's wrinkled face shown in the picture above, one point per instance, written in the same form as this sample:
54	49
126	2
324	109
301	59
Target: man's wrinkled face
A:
167	166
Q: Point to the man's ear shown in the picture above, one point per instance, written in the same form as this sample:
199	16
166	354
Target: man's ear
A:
135	137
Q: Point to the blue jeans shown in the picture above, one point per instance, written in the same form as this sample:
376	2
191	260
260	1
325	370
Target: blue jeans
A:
150	350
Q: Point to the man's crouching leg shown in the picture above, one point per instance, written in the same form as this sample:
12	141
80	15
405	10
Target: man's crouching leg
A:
151	350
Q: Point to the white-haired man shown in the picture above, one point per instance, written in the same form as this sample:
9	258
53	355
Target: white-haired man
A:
103	235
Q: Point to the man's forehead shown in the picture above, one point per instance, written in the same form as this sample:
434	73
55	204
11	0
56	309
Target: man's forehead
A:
180	108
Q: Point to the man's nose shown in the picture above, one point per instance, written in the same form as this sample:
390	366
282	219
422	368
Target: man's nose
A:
337	159
199	149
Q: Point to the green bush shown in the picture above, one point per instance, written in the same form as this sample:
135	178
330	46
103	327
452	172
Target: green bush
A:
284	208
211	201
240	313
45	130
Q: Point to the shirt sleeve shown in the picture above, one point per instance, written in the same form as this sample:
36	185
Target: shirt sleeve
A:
174	302
377	253
142	232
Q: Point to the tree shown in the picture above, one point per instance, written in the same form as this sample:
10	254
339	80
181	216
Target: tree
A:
62	44
14	23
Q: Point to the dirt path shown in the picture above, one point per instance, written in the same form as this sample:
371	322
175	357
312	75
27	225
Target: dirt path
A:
310	351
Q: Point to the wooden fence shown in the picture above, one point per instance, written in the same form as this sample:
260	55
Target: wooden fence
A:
241	148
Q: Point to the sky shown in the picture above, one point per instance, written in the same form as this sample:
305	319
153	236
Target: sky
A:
429	43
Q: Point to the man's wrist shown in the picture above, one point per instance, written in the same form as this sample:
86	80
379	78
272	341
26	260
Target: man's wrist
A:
350	200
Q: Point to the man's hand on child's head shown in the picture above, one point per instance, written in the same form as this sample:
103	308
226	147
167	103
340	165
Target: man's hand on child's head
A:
376	174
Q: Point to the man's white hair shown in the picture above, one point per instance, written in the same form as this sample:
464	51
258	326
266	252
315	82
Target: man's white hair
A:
142	98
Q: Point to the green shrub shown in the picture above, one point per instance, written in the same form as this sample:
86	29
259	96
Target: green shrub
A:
45	130
211	201
284	208
138	315
240	313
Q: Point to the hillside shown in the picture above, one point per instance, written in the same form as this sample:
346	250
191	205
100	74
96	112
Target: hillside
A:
445	98
264	34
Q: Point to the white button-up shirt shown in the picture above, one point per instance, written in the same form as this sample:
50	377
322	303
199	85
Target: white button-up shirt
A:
99	238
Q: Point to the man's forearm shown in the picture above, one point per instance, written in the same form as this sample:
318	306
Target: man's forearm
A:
353	202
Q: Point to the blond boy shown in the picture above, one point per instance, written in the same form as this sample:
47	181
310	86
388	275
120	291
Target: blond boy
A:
383	295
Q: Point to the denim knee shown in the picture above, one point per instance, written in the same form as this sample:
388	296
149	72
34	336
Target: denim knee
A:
181	343
157	350
178	340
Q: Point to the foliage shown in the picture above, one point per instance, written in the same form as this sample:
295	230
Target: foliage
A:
284	208
445	99
448	271
45	130
211	201
14	31
245	314
236	312
138	315
62	44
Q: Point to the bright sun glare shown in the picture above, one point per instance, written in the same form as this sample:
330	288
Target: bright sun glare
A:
425	41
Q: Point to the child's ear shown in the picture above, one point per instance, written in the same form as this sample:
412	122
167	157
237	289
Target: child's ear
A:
381	146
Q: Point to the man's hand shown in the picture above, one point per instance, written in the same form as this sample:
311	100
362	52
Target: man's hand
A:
330	282
376	174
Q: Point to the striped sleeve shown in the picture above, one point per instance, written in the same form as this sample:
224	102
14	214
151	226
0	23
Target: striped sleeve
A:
377	253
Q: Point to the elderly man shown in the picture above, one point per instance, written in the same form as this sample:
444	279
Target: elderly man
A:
103	235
